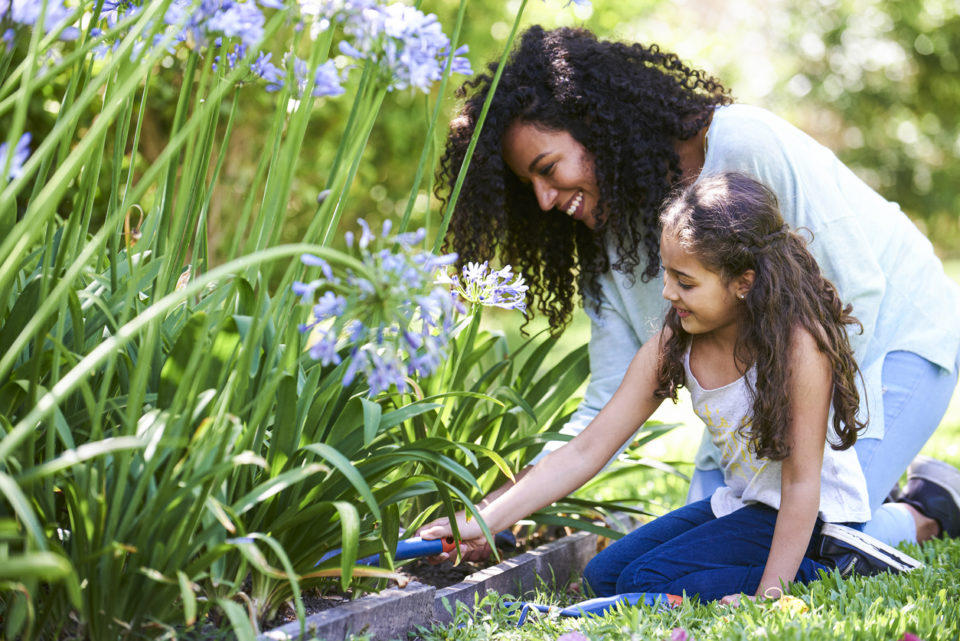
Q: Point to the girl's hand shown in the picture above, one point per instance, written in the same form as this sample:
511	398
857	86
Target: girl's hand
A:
733	600
471	549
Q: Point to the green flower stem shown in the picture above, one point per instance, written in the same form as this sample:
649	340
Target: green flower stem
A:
22	236
455	193
429	142
453	378
46	404
296	132
170	221
341	185
267	161
7	209
7	101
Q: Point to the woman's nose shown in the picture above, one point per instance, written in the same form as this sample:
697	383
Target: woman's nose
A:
546	195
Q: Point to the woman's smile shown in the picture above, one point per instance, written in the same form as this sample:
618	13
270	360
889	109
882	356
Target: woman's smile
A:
557	167
573	205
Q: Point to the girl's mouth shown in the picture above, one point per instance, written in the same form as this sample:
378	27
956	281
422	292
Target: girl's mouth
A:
682	313
573	205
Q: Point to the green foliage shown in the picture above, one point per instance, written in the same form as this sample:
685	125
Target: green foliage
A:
925	602
886	72
170	457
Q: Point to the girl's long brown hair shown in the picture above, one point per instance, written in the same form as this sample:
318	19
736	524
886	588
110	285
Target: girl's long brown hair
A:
732	224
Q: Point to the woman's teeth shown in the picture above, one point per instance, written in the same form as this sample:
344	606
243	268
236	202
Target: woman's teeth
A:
571	210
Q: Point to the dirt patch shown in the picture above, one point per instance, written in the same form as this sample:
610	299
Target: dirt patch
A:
439	576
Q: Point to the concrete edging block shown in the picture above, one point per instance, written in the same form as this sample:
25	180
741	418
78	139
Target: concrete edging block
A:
385	615
390	614
552	561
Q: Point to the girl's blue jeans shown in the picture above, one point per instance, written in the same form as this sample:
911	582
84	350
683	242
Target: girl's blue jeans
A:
916	394
691	551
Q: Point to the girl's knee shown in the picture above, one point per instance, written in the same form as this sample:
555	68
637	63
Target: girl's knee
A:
642	579
598	578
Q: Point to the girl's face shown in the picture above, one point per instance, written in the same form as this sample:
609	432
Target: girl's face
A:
704	303
558	168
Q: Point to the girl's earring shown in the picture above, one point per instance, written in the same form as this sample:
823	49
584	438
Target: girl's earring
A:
741	296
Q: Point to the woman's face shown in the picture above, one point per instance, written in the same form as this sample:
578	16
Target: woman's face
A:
557	167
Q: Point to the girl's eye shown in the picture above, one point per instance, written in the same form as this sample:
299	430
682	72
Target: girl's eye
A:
683	285
546	170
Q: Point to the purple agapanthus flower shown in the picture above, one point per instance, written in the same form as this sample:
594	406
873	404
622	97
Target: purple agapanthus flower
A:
327	81
479	285
21	152
27	12
393	320
263	68
407	45
242	20
238	51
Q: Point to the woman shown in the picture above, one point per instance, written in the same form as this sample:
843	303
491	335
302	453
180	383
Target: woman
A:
585	139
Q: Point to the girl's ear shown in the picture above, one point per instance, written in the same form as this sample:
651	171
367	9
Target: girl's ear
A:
744	282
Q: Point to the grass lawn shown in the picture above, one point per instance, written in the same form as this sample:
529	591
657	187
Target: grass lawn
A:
925	603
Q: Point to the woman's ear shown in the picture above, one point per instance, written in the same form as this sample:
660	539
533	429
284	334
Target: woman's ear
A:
744	282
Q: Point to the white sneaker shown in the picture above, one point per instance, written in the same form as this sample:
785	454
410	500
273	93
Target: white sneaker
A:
851	551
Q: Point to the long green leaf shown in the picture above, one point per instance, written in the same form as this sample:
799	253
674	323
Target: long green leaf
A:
241	622
86	452
346	468
21	506
349	537
372	413
35	566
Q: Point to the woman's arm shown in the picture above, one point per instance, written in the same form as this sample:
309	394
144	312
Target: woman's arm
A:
811	385
575	463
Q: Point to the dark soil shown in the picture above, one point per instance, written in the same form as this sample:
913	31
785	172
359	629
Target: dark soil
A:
439	576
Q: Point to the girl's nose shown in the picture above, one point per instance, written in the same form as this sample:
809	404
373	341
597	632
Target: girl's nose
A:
668	292
546	195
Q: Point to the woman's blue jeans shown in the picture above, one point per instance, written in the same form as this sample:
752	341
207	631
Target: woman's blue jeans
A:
916	394
691	551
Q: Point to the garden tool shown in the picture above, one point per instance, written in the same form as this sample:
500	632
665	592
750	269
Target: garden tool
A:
415	547
599	606
411	548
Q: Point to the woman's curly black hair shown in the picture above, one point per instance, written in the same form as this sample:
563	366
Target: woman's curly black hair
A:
627	104
732	224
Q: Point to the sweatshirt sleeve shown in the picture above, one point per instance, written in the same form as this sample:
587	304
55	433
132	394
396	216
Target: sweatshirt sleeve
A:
809	182
613	344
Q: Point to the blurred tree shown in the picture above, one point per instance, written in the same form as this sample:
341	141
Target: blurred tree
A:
875	80
884	76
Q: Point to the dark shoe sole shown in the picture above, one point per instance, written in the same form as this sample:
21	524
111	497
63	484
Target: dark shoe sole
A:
896	560
938	472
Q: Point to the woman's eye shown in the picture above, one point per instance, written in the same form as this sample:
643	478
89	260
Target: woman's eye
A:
546	170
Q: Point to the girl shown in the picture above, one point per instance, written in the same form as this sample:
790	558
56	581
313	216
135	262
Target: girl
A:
758	337
583	140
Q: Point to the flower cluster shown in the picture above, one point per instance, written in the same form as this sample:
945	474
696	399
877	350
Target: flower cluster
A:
28	13
392	317
478	285
20	154
408	46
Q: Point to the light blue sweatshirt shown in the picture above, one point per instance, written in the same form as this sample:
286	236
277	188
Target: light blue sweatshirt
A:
871	251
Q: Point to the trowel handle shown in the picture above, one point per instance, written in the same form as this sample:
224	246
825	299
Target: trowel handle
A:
416	547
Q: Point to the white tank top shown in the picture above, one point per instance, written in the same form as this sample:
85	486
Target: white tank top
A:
750	479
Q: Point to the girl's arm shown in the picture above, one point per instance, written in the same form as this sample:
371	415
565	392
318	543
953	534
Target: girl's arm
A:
811	386
569	467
